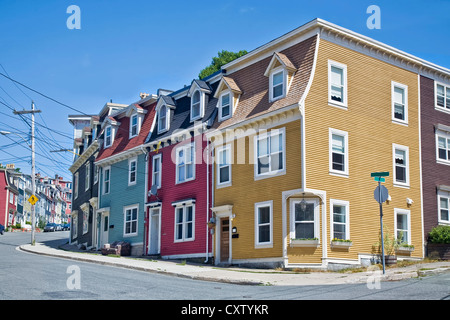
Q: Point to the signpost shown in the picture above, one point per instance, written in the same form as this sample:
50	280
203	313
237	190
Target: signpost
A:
381	194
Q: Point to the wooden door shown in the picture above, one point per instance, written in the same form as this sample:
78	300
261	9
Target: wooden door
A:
224	239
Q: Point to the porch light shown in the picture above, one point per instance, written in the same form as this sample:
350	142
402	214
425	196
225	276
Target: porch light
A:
303	203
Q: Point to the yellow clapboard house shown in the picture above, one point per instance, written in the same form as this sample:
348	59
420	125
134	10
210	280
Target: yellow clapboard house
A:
302	122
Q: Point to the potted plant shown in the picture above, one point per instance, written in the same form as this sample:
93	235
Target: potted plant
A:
403	246
390	245
438	245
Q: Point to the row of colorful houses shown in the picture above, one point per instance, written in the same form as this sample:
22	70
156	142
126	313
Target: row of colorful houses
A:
54	198
269	161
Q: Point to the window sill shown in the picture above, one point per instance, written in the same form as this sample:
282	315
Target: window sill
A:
404	249
442	109
269	175
223	185
401	185
447	163
264	246
339	174
400	122
342	106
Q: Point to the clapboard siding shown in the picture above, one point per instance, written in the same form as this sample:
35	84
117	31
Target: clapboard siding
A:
371	134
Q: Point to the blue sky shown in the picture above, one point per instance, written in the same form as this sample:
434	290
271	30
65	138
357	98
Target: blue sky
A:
127	47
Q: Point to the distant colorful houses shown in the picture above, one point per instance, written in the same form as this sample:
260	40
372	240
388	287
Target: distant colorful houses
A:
268	162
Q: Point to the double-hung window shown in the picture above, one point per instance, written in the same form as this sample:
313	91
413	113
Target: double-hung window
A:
184	222
443	147
270	155
132	169
130	220
277	84
263	224
401	165
443	207
108	136
87	176
156	170
304	219
442	97
399	103
185	163
224	166
338	152
340	219
402	226
162	119
337	83
75	185
134	125
196	105
106	179
225	106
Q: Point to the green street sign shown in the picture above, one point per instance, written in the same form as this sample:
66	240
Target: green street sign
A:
380	179
379	174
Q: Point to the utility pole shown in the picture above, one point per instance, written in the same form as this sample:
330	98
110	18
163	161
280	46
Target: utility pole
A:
33	169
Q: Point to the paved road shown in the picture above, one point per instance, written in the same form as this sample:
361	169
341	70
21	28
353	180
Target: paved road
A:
30	276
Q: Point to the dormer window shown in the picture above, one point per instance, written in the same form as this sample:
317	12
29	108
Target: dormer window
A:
277	84
108	136
280	71
134	125
195	106
162	116
227	94
198	94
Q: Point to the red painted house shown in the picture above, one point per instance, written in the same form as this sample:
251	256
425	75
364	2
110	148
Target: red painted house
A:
179	174
8	197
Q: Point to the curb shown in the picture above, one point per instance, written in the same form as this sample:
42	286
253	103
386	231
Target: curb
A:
144	269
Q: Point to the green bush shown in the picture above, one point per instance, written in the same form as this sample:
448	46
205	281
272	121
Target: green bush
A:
440	234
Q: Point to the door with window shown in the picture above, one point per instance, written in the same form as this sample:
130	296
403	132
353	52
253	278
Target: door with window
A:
154	231
104	229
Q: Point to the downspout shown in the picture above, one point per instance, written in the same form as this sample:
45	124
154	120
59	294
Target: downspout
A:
146	219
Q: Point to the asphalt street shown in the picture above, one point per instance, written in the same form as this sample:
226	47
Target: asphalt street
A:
36	277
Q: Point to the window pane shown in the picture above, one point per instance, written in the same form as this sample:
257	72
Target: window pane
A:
179	215
440	95
278	91
399	95
338	162
336	76
263	165
304	230
225	111
264	233
339	231
402	222
338	143
224	174
304	215
339	214
399	112
448	98
225	100
275	143
277	78
189	171
263	215
263	147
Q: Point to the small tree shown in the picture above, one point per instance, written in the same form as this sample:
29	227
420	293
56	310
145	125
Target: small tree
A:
223	57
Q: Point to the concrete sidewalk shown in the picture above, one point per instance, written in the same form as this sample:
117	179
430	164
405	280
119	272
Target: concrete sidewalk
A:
243	276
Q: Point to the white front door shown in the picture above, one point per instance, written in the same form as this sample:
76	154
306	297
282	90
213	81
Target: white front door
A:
154	236
104	228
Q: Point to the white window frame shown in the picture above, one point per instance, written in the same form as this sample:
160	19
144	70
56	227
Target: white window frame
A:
332	102
284	83
331	132
444	108
220	150
258	243
87	176
445	195
130	171
157	181
230	105
444	135
105	182
316	221
264	135
346	205
131	221
166	121
76	183
184	223
136	126
184	148
200	105
398	211
110	137
406	150
405	106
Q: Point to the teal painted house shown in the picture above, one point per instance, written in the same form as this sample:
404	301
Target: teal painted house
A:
121	166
